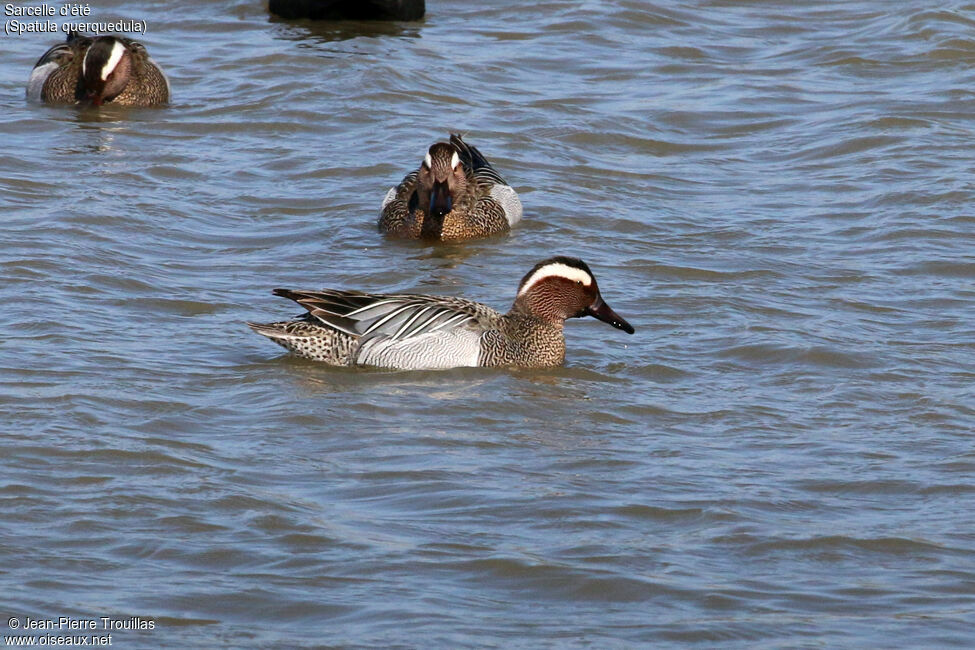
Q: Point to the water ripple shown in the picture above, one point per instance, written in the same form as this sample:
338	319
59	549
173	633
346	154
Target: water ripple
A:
775	195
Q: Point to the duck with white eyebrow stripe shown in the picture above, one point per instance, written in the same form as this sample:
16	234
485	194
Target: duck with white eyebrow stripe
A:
98	70
413	332
455	195
559	270
94	53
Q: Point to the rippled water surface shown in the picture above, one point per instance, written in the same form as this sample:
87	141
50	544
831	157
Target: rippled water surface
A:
778	198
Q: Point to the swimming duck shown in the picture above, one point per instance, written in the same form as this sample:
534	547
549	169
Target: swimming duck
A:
414	332
349	9
98	70
455	195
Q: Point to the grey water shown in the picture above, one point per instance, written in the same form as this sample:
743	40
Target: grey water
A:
777	195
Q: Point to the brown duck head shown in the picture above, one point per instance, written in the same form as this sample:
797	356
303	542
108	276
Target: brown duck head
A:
564	287
441	180
105	70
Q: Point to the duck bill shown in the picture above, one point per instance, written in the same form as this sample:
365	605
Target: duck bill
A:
441	201
94	98
601	310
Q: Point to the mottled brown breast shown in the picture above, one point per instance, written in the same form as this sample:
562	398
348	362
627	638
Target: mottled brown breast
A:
523	341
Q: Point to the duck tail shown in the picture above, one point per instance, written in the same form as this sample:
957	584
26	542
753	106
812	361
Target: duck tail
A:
275	331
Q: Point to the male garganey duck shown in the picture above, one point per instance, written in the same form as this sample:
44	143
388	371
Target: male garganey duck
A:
98	70
414	332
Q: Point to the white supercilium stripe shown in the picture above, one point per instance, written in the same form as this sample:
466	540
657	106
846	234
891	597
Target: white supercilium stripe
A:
117	51
557	270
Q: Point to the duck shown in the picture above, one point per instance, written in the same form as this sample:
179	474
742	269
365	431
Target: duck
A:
349	9
97	70
455	195
422	332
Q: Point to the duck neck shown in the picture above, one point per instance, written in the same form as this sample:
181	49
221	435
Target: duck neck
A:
534	307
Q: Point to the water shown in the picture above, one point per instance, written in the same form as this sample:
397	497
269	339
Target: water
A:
778	198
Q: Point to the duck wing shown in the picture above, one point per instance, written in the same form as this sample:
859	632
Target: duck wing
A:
62	53
475	162
394	317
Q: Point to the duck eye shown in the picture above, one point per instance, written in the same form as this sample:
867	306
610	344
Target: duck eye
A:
579	282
